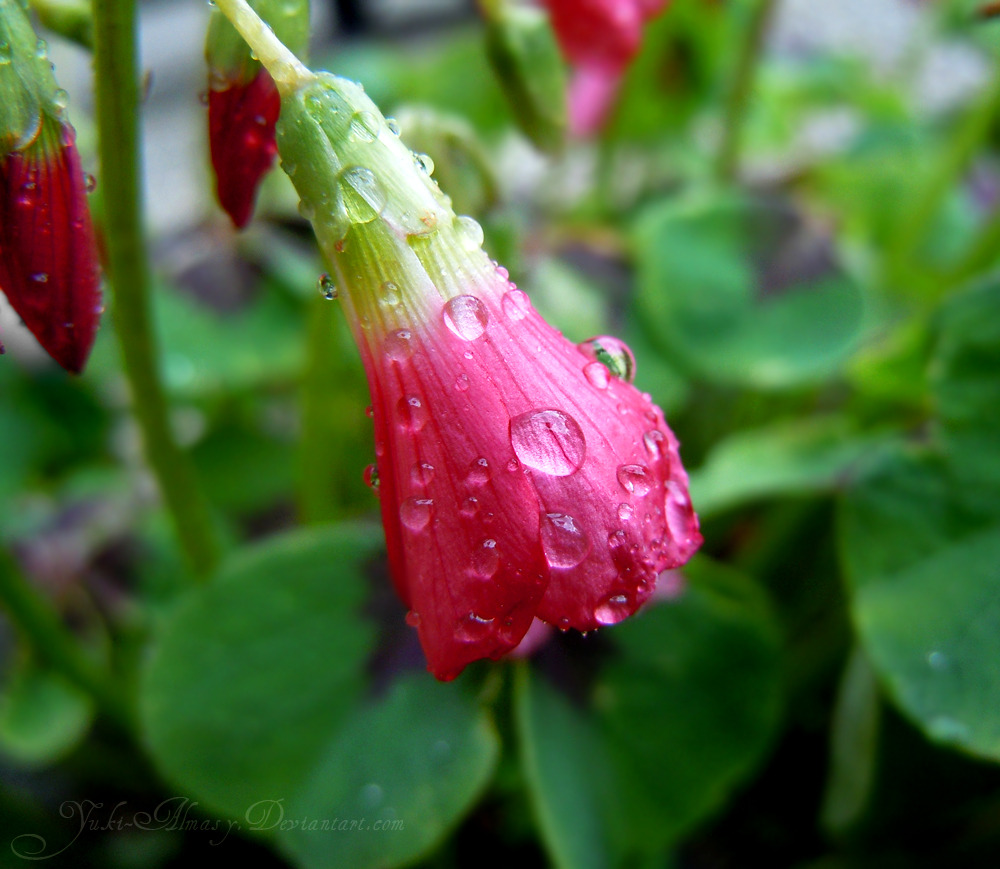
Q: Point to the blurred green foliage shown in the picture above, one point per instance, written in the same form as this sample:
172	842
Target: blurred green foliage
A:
822	688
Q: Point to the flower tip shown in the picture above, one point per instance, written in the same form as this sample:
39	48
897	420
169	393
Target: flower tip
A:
241	123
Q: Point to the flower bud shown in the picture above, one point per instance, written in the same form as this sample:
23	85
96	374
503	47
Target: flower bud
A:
48	260
599	38
243	103
523	52
520	475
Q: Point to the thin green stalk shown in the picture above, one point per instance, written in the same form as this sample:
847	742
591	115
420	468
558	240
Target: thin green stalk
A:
744	77
117	87
318	453
954	161
52	642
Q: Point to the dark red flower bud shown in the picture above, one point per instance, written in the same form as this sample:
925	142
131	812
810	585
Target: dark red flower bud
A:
241	119
48	261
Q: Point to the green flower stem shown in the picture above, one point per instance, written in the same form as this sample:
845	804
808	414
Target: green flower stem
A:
285	68
954	161
728	159
117	88
43	629
318	453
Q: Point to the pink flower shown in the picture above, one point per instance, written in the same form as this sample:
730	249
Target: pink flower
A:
599	38
241	120
519	476
49	269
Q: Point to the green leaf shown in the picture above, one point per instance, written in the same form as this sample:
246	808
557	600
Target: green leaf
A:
42	717
699	289
689	704
921	553
566	767
405	769
250	677
803	456
206	352
965	377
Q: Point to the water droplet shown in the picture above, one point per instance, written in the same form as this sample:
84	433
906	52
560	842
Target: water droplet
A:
370	412
516	305
424	163
469	508
41	49
625	512
364	126
948	729
393	126
479	473
412	413
549	441
379	448
938	661
4	53
635	479
40	277
462	382
422	473
371	477
471	232
486	559
362	194
307	209
89	182
398	345
468	355
612	353
60	99
466	317
653	441
371	796
597	375
504	274
473	628
389	295
612	610
513	465
327	287
680	517
413	619
564	542
415	513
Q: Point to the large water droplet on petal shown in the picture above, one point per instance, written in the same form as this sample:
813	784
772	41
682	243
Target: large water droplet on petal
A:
473	628
412	413
398	345
549	441
466	316
635	479
612	610
415	513
654	442
564	542
486	559
479	473
614	354
516	305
